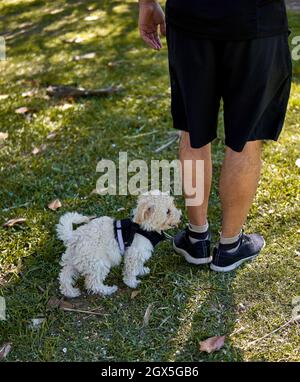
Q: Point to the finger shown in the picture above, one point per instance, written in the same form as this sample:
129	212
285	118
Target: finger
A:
156	38
163	29
153	37
150	42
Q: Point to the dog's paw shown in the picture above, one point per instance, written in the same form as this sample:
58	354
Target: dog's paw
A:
145	271
132	283
109	290
71	293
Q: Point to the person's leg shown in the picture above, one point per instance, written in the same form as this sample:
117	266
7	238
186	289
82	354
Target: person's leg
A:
238	183
195	105
197	214
194	242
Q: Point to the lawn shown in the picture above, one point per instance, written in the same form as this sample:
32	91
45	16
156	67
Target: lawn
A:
96	44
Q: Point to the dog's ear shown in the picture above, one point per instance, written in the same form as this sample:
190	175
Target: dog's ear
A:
144	212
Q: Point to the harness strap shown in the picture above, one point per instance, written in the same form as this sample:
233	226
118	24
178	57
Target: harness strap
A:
125	230
120	236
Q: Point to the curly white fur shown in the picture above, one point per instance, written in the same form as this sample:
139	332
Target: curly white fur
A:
92	249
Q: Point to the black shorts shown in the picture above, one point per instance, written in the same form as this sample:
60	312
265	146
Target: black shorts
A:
253	78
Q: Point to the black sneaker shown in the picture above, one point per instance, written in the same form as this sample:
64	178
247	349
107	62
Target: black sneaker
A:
249	248
197	253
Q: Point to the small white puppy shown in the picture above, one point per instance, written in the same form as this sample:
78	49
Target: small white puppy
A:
98	245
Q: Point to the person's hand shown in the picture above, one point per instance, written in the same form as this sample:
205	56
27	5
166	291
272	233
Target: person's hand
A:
152	23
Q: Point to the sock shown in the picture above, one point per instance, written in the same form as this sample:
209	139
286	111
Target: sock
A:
198	232
230	244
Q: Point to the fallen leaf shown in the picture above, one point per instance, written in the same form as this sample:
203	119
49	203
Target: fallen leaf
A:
3	96
91	18
241	307
113	64
4	350
54	205
2	309
29	93
38	150
86	56
78	40
135	293
212	344
298	162
22	110
3	136
147	315
51	135
55	303
12	222
35	151
56	11
66	106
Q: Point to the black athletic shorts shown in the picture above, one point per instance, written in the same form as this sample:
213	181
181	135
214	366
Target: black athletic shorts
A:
253	77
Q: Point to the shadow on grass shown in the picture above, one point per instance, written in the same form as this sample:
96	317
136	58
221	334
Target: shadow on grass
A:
199	303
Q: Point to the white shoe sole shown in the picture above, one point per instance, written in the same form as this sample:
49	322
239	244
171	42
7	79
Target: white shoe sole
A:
191	259
237	264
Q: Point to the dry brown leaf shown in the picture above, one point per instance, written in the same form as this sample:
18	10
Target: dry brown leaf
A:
65	304
22	110
147	315
86	56
66	106
12	222
91	18
58	303
78	40
29	93
4	350
54	205
113	64
56	11
3	136
35	151
51	135
212	344
53	302
135	293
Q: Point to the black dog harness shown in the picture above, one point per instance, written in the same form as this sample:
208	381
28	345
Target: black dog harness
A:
125	230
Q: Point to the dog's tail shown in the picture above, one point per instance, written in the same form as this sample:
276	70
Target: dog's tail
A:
64	228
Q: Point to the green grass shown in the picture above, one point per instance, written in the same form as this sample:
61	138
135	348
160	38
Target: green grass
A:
190	303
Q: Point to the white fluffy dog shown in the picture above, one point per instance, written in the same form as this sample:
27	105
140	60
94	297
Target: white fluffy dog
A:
99	244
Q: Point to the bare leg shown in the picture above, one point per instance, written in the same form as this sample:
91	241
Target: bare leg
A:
238	184
197	214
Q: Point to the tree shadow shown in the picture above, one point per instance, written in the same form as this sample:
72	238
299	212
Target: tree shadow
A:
209	311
